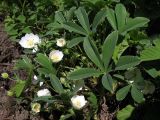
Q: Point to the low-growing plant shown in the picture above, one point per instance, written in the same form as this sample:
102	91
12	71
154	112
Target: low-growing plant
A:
91	59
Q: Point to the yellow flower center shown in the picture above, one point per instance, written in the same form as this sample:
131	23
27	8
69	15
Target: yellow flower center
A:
78	103
30	42
55	58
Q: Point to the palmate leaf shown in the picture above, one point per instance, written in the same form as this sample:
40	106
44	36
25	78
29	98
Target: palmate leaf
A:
73	27
125	113
92	52
133	24
83	73
108	48
83	18
98	18
121	22
127	62
152	53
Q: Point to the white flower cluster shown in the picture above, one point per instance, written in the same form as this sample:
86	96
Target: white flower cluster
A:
32	41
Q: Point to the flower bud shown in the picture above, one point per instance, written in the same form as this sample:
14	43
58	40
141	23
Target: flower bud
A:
36	107
61	42
4	75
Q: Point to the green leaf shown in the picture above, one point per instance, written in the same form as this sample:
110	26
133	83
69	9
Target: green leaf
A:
59	17
152	72
83	18
83	73
127	62
43	71
75	41
133	24
21	18
108	83
108	48
19	87
26	30
112	18
74	27
92	52
70	13
44	61
125	113
152	53
122	93
98	18
93	100
119	49
136	94
121	15
56	84
25	63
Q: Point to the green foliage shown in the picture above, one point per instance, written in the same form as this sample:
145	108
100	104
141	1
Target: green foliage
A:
19	87
56	84
92	52
109	83
75	41
125	113
127	62
82	73
120	21
137	95
108	48
83	19
122	93
46	63
151	53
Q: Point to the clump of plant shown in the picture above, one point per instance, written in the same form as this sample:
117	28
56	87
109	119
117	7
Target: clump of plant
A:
96	59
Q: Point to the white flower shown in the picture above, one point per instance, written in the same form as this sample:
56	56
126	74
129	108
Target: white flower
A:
43	92
29	41
35	77
131	81
61	42
35	49
56	55
78	101
40	83
36	107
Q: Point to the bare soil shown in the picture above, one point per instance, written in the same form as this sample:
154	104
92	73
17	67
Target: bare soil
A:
9	109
